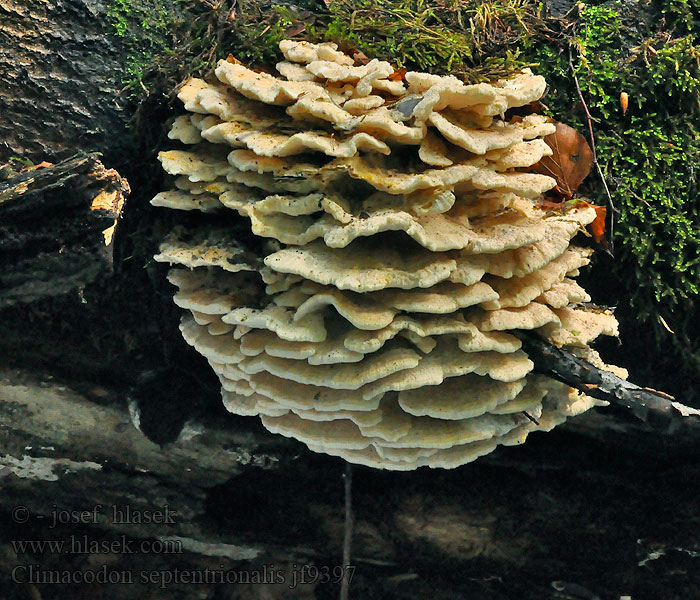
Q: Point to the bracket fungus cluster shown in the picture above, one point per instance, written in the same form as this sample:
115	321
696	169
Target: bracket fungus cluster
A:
397	251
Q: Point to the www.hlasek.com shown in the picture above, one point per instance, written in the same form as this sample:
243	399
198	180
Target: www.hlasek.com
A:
267	575
82	544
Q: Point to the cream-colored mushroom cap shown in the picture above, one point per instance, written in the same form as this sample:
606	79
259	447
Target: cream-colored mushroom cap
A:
365	254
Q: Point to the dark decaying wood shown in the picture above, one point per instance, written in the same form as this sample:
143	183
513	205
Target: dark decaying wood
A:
540	521
60	76
656	408
57	225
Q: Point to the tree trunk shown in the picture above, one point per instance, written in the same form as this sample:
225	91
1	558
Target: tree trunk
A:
59	81
57	225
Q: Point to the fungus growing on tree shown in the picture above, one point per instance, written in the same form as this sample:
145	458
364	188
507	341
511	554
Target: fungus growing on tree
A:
398	252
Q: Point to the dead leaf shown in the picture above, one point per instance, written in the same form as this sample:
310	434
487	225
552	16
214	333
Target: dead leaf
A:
397	75
357	55
624	101
571	159
597	227
518	113
261	68
360	58
295	29
666	327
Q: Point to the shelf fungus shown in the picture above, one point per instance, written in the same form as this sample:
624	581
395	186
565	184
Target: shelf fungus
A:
368	251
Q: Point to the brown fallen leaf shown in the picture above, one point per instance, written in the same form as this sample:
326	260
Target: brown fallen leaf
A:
261	68
523	111
360	58
295	29
570	162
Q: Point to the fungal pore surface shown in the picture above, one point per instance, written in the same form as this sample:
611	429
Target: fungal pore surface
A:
371	249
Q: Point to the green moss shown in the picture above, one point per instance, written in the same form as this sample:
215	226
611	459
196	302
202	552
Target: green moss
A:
649	156
473	39
477	40
145	26
20	162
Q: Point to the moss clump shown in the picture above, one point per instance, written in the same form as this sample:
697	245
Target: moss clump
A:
477	40
649	156
145	26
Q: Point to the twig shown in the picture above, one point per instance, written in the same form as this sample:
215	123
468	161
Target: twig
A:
347	538
658	409
589	118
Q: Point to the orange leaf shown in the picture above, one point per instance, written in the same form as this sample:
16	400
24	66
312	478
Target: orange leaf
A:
624	101
571	159
397	75
597	228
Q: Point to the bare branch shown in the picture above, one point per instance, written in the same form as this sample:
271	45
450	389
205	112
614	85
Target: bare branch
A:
347	538
589	118
658	409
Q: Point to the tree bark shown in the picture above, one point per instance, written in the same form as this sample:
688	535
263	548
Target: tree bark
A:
656	408
57	225
59	81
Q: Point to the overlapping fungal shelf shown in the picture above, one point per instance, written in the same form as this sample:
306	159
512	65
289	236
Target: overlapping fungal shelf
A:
404	250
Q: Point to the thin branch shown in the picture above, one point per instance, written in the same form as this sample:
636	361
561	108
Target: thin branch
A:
589	118
658	409
347	538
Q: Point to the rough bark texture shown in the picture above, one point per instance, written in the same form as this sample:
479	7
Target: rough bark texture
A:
59	78
605	509
656	408
57	225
